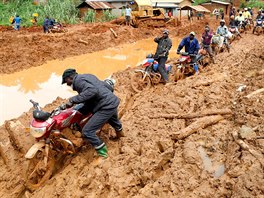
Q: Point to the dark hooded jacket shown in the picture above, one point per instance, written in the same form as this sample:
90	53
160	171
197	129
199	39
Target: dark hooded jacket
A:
163	48
93	93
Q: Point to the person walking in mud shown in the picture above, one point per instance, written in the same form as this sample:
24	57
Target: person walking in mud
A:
97	99
128	15
17	21
46	25
162	53
206	42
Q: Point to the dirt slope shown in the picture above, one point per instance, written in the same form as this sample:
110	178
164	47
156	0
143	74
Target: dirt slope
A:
30	47
147	162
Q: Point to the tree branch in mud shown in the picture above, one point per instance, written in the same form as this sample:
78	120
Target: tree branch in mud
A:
255	93
195	115
199	124
82	41
3	155
259	156
113	32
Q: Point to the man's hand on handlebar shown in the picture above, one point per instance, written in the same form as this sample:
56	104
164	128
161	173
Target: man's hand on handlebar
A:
69	104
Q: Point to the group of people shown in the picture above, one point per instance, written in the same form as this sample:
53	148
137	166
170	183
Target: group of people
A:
242	17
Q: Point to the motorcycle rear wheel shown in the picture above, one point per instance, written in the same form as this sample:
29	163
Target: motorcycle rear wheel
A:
36	174
139	84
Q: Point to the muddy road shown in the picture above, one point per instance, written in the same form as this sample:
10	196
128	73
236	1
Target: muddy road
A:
220	158
30	47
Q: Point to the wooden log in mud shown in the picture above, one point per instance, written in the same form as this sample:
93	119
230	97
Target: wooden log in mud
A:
258	91
258	155
206	112
3	155
114	33
195	126
82	41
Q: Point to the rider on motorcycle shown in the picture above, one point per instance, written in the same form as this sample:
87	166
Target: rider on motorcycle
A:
97	99
246	14
206	42
223	32
162	52
192	46
241	19
233	23
258	18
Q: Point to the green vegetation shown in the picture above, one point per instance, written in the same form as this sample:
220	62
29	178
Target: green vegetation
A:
89	16
255	4
62	11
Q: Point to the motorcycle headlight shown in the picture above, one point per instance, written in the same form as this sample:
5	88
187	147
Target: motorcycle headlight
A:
37	132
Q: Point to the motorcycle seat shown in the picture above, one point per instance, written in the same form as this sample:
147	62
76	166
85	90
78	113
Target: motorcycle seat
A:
41	115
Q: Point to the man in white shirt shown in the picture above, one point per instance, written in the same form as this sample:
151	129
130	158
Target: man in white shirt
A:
128	15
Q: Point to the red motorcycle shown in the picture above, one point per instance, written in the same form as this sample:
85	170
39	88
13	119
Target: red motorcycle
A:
57	134
185	66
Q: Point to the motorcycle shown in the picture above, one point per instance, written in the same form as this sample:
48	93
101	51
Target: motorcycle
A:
143	79
241	27
235	34
259	26
205	58
57	28
57	135
185	66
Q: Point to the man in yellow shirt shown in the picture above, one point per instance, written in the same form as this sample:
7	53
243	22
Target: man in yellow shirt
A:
246	14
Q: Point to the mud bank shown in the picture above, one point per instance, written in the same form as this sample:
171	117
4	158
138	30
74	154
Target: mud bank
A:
217	160
25	49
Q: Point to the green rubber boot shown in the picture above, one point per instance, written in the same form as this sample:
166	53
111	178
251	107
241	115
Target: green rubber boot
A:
102	152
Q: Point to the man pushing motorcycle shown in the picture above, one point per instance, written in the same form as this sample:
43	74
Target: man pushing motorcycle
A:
192	46
98	99
162	52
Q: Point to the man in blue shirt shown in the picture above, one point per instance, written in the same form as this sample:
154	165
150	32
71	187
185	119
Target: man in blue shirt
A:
192	46
17	21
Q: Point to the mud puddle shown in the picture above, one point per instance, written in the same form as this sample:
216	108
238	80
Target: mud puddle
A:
43	83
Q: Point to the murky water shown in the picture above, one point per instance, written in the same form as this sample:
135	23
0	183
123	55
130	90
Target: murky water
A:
43	83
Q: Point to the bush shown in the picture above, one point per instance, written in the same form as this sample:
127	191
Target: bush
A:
107	16
89	17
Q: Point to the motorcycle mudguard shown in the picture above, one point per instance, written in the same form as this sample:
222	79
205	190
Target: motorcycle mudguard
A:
34	149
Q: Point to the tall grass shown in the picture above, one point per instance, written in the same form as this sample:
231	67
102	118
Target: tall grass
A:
107	16
62	11
89	17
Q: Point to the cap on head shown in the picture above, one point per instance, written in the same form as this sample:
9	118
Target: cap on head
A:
240	12
68	73
192	33
245	9
222	21
166	32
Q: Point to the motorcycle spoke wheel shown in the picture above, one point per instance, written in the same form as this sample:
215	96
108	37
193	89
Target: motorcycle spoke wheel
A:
156	78
139	84
37	174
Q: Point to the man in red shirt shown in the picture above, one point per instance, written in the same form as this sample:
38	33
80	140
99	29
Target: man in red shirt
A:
206	42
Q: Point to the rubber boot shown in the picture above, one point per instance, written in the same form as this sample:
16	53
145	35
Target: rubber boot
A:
119	134
102	152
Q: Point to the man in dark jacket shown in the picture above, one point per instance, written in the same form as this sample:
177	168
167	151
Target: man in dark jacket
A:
162	52
97	99
46	25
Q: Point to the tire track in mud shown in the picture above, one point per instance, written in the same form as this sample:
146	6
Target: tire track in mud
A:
147	162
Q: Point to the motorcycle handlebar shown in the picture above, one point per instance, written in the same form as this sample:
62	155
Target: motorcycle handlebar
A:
35	104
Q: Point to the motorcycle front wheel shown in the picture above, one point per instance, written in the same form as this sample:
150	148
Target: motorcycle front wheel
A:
37	173
139	83
178	75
